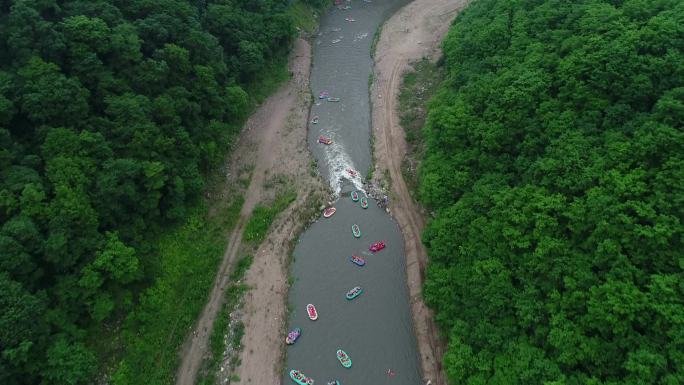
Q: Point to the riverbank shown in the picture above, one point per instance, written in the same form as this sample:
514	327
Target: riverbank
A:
412	33
163	332
271	153
275	142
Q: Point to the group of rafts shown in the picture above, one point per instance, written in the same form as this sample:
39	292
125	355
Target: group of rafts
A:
296	375
342	356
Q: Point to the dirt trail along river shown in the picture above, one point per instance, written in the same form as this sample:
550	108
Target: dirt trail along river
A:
375	328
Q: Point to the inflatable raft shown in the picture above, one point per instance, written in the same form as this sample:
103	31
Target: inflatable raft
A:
344	359
364	203
354	196
357	260
355	292
356	230
311	311
300	378
327	213
293	335
377	246
334	99
324	140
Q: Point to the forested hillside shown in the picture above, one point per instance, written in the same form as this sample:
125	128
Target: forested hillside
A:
555	173
111	112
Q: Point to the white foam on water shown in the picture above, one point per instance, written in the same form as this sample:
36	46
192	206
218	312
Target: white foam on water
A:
360	36
338	162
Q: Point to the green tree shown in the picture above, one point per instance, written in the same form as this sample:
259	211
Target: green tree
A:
22	330
111	115
69	363
553	169
50	97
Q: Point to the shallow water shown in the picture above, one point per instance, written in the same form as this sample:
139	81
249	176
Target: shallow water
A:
375	328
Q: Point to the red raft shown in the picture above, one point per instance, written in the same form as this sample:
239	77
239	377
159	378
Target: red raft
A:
311	311
324	140
327	213
377	246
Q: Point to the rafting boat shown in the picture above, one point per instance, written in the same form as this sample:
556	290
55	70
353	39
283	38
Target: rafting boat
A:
300	378
314	120
364	203
356	231
354	196
335	41
324	140
349	19
334	99
327	213
333	382
344	359
311	311
357	260
293	335
355	292
352	172
377	246
323	95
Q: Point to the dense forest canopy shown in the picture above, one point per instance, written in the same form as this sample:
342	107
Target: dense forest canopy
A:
555	172
111	111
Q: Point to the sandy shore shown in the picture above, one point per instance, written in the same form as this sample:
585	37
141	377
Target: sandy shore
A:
265	310
411	34
273	144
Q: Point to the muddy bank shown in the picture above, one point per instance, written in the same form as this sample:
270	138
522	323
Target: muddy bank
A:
265	310
411	34
272	147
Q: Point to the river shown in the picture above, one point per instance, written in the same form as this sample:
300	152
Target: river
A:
375	328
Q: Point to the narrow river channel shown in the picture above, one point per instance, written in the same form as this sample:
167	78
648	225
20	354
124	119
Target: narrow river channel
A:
375	328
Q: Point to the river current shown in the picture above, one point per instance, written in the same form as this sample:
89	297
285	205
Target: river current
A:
375	328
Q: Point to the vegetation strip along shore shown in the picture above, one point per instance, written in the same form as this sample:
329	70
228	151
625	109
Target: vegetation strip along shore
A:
553	170
409	35
113	115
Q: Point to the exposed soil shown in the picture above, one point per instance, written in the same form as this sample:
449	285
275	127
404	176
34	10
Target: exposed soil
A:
273	142
409	35
266	303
